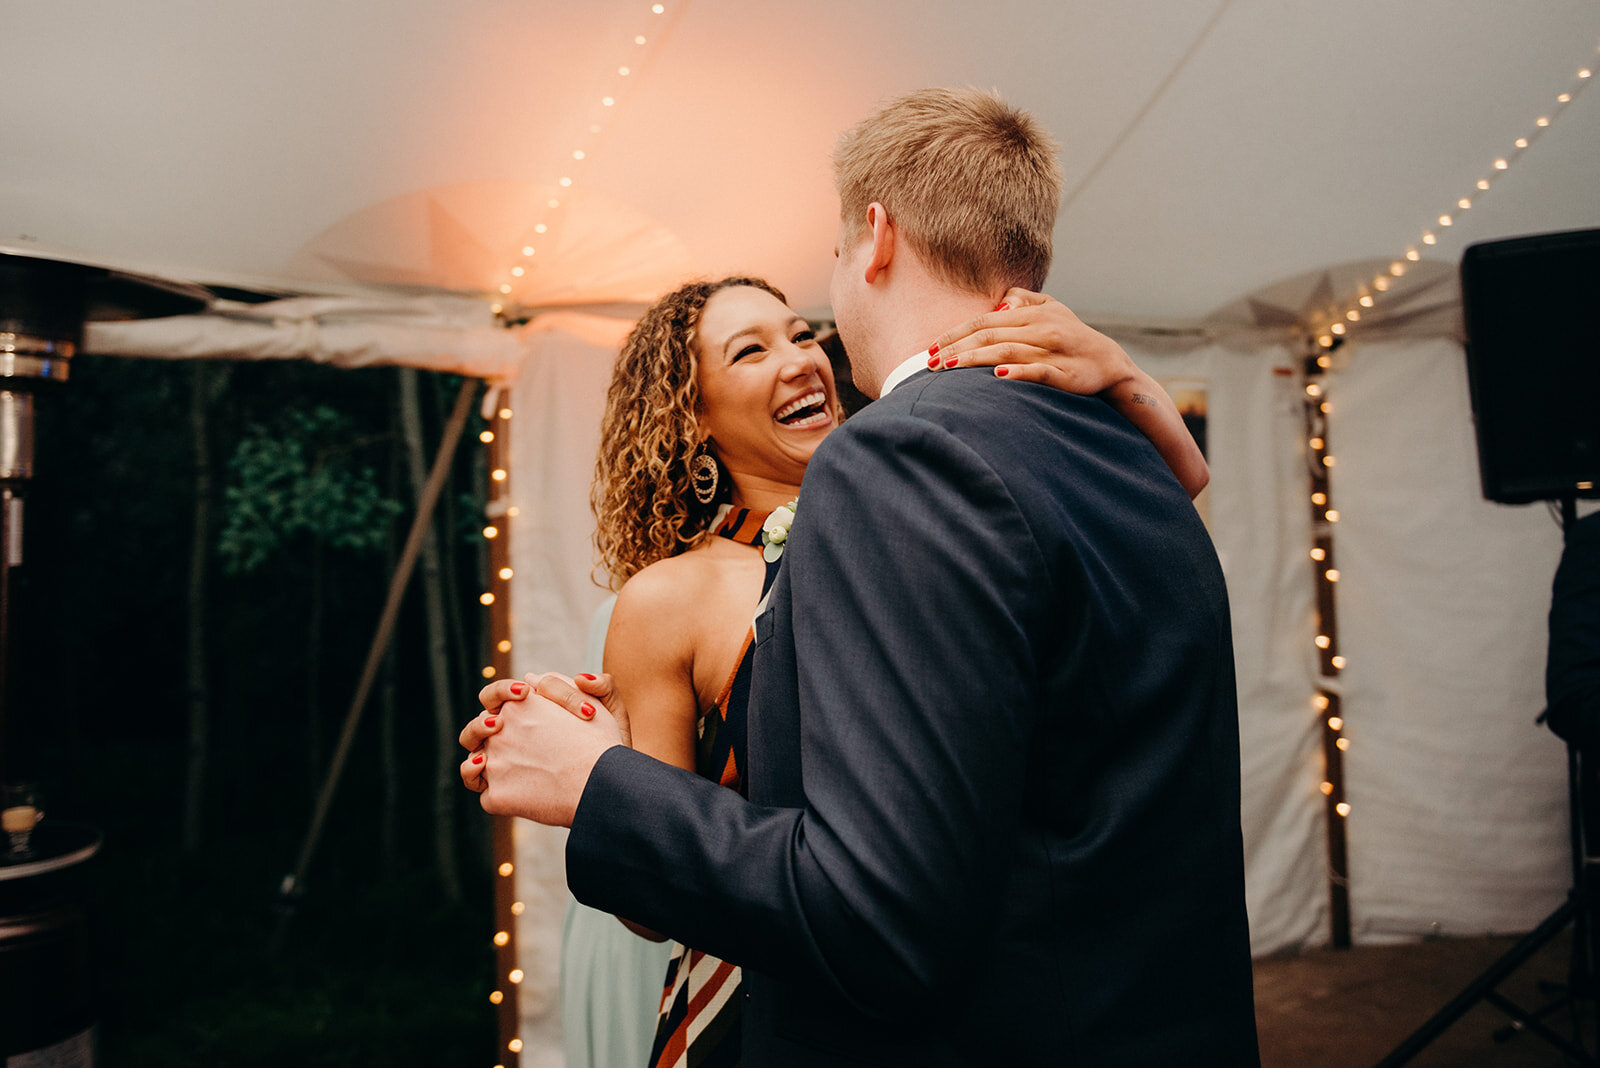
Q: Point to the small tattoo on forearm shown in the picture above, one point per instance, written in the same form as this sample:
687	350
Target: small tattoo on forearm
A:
1145	398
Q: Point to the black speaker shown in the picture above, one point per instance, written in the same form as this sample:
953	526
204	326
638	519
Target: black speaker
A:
1532	309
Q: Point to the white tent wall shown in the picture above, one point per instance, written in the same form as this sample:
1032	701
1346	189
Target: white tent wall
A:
1458	800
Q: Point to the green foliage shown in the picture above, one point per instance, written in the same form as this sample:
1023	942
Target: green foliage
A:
301	477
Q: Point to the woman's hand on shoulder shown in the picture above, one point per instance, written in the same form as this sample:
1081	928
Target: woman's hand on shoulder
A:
1031	337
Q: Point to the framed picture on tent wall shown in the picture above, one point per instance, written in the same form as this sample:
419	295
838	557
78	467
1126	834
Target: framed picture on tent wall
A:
1189	394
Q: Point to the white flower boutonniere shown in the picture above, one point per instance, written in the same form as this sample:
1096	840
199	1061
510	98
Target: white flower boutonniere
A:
775	531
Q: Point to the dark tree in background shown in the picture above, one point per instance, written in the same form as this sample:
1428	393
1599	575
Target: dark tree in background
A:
172	698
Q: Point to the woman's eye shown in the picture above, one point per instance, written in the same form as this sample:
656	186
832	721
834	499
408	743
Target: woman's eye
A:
804	337
748	350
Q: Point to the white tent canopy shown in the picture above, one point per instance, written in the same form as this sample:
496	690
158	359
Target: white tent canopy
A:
392	169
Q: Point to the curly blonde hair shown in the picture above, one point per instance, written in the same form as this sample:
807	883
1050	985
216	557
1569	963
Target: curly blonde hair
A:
644	506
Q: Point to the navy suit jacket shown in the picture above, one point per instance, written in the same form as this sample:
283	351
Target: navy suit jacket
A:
993	759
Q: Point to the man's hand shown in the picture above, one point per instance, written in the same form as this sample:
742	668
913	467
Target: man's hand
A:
1035	338
541	751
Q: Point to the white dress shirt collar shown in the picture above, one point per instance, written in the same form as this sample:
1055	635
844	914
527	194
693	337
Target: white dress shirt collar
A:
911	366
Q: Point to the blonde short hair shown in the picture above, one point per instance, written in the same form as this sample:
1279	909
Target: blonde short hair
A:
971	182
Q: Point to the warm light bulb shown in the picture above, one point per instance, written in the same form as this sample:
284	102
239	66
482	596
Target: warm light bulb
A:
1463	203
657	8
502	938
1319	554
1338	662
515	975
486	598
552	203
1429	239
1397	268
577	153
1585	72
504	573
1337	328
1324	407
1327	788
624	71
486	436
608	101
513	511
1483	183
1445	220
518	908
488	672
515	1045
1328	461
639	40
1332	574
503	645
1335	723
1563	98
1319	499
1341	744
1541	121
1323	641
498	474
1413	255
1353	315
1342	808
1331	515
496	998
1365	302
1380	283
506	869
1323	361
565	182
517	272
504	413
497	308
1313	390
1326	341
491	532
1521	142
505	287
541	228
1500	164
1316	443
1319	702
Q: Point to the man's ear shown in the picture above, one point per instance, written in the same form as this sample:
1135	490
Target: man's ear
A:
882	238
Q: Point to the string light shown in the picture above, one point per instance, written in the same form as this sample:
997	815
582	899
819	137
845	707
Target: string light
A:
1335	724
1342	808
503	645
515	975
506	869
1499	166
488	672
515	1045
486	599
486	437
504	573
496	997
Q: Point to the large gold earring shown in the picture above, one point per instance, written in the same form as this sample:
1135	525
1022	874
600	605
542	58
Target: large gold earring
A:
703	475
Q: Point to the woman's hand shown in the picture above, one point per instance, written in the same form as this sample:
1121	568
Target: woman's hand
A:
1034	338
579	696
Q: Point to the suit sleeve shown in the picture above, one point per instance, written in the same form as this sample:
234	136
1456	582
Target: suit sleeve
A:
912	568
1572	670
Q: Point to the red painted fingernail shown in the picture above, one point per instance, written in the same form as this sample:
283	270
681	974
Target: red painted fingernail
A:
477	758
1001	372
952	361
586	675
933	363
587	710
516	689
1002	306
490	722
933	349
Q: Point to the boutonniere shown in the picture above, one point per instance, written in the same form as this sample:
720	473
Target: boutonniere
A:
775	531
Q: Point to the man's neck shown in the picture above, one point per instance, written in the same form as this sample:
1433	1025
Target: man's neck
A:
909	322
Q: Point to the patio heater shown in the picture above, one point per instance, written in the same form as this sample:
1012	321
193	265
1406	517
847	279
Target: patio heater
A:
46	1005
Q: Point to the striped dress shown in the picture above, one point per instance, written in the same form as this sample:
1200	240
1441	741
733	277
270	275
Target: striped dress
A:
701	1000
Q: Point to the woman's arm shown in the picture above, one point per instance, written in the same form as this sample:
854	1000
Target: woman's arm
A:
650	660
1035	338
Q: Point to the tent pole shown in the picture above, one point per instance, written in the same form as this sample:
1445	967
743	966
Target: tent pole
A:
291	888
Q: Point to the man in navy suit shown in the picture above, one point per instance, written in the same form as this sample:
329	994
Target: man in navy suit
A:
993	811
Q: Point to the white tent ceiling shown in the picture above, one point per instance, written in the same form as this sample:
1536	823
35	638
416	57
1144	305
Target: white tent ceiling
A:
1212	148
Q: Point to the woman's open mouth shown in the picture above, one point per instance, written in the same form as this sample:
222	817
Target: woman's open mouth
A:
805	412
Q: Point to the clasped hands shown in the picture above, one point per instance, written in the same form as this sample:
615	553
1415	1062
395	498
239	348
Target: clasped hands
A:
531	750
